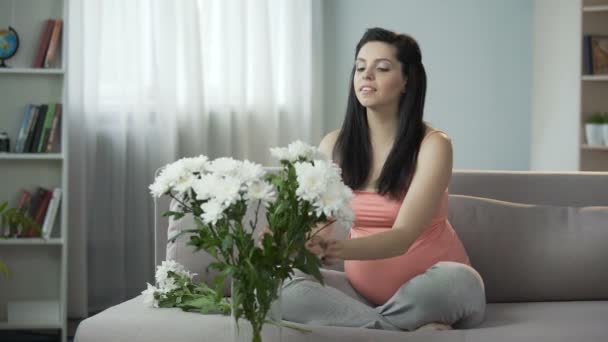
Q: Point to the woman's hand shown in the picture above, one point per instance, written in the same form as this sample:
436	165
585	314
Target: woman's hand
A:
332	252
316	245
261	234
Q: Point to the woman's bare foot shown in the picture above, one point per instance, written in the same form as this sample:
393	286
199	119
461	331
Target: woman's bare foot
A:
434	327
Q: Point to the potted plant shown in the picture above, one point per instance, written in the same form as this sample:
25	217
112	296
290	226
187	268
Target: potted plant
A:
17	221
593	129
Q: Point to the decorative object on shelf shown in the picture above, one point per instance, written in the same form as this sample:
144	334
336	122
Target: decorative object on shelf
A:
5	142
15	219
599	54
9	45
593	129
306	192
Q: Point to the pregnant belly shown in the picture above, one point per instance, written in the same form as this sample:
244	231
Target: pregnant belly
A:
378	280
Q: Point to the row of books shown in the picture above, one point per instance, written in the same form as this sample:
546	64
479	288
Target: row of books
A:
40	130
42	207
48	44
595	54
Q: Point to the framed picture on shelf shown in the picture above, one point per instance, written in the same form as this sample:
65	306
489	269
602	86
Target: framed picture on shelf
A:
599	54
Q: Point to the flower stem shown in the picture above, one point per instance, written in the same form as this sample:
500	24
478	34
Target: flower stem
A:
329	223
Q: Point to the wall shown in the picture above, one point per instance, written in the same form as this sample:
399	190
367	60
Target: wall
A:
478	57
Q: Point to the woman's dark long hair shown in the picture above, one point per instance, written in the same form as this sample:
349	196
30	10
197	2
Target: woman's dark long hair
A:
353	151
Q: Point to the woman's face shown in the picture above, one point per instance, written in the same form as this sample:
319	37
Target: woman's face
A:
378	80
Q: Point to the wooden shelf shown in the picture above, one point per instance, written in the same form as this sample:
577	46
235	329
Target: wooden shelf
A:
32	71
594	147
597	8
31	156
31	241
595	78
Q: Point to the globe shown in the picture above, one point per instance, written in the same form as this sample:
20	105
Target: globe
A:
9	43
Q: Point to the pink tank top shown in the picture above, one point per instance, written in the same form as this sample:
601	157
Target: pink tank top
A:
378	280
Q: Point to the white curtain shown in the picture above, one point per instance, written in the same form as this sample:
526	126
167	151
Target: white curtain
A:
150	81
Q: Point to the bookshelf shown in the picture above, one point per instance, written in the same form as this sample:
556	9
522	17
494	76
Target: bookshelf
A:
564	95
35	296
594	87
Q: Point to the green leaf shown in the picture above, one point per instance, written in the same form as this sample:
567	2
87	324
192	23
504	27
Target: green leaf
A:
4	269
309	264
3	206
227	243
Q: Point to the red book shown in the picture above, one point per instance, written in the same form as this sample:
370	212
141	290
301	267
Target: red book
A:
40	202
49	61
44	204
43	44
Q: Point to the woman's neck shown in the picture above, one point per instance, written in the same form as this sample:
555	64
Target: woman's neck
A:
382	127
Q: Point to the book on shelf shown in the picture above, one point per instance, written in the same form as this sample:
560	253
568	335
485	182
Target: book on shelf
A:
42	207
40	130
49	61
599	54
595	54
51	213
48	44
587	61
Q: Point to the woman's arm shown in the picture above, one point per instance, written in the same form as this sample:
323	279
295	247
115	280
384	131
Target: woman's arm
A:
431	178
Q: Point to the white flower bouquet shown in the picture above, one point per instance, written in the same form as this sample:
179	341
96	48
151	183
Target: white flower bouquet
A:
306	192
175	288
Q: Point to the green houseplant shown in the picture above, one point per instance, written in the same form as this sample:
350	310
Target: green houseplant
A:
593	129
16	220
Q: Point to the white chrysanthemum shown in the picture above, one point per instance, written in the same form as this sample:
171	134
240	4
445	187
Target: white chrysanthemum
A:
249	172
168	266
178	176
280	153
331	200
195	164
184	183
167	286
148	296
295	151
312	180
260	191
159	187
227	191
212	211
205	186
224	166
299	149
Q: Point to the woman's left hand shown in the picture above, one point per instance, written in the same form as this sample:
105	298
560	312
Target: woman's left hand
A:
333	252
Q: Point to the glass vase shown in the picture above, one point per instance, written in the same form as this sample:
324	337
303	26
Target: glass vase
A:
243	331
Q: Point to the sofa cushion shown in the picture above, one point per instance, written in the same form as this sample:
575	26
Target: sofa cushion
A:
534	252
572	321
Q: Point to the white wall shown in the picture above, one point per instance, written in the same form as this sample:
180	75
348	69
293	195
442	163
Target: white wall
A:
478	57
556	85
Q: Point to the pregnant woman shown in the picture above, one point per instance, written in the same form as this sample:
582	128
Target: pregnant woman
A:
405	267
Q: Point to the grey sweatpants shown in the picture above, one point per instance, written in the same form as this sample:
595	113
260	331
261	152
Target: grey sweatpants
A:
448	292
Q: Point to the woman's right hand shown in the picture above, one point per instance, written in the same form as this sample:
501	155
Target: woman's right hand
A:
316	245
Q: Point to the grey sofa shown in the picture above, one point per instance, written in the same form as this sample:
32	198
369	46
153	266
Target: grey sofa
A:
539	240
